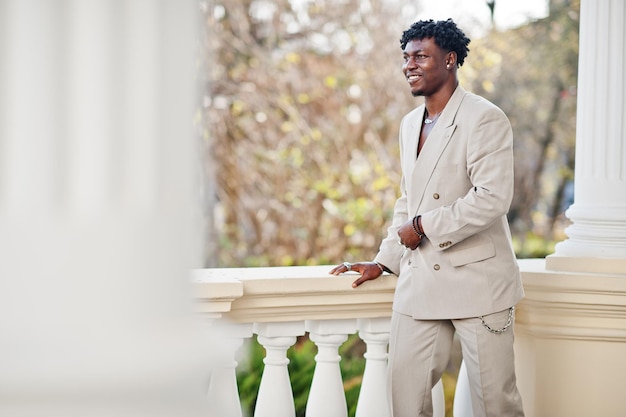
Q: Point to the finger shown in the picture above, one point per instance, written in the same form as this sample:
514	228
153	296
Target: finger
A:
359	281
365	277
337	270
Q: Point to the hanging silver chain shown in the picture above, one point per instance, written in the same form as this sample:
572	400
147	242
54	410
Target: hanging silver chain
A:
506	326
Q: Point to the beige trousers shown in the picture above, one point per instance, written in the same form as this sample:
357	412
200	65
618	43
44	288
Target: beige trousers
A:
419	351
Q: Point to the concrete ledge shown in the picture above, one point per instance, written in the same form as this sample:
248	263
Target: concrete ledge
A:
278	294
590	265
574	305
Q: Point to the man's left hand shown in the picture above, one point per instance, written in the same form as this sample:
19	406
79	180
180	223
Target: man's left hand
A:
407	235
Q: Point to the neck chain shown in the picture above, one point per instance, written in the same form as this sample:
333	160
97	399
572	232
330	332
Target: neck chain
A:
433	120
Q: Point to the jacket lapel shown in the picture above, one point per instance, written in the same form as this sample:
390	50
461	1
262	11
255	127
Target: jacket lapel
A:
413	135
438	139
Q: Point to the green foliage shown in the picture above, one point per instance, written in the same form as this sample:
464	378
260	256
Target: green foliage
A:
532	246
449	387
301	368
352	367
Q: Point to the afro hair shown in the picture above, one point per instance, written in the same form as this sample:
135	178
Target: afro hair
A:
445	33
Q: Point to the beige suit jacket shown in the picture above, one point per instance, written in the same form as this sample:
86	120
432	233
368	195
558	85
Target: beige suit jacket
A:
462	186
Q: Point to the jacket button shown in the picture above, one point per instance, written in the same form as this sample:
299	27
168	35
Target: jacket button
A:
436	196
436	267
442	245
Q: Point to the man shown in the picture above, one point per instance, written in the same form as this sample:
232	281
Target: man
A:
449	242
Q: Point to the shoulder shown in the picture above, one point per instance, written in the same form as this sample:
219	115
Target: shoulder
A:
475	105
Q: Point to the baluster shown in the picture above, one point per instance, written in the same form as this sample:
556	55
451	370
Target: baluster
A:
462	400
327	397
373	395
275	398
439	400
223	392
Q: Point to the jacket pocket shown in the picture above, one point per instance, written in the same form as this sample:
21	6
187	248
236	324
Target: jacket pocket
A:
466	255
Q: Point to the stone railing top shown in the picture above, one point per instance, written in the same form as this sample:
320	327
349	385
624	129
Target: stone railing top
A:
278	294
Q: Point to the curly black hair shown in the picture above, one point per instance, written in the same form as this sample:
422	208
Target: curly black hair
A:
445	33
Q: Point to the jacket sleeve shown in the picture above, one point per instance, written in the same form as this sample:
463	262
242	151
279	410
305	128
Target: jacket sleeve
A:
390	251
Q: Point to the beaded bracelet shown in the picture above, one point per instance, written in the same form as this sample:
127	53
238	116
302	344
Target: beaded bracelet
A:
416	227
419	226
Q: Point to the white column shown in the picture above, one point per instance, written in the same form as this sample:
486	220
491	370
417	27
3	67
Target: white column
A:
462	406
275	398
96	209
373	396
327	397
599	210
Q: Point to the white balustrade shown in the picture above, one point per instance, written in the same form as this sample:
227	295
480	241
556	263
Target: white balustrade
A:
283	303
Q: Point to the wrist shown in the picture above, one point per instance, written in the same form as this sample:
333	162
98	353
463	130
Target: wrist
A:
417	227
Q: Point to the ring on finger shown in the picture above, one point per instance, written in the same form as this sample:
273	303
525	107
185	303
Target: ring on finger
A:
348	266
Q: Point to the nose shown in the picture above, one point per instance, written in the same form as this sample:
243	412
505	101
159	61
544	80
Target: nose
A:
410	62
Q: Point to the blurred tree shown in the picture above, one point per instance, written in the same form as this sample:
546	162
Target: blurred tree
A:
303	103
301	112
531	73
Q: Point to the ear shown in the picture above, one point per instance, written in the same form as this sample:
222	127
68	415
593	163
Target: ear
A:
450	60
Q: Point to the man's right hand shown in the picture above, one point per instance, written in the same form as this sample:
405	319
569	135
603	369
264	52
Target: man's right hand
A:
368	271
